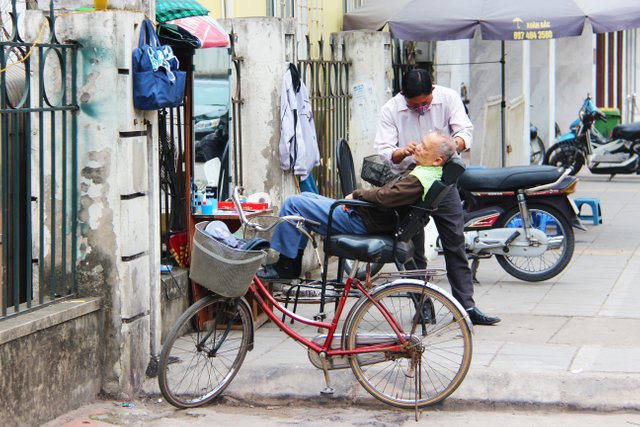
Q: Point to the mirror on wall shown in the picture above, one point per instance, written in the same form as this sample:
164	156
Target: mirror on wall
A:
212	119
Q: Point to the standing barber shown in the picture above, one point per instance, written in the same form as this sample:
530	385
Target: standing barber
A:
422	107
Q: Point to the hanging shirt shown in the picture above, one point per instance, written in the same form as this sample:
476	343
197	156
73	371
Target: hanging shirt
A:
298	146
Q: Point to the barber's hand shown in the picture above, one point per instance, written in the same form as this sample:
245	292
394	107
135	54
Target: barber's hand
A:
410	149
460	145
401	153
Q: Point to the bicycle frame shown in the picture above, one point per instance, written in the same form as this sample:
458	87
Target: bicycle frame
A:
377	342
264	298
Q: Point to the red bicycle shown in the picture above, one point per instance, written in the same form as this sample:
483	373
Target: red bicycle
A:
407	341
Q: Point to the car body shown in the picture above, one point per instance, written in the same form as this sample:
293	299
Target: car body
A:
210	117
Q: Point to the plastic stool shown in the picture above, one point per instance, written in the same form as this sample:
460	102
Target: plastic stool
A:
596	213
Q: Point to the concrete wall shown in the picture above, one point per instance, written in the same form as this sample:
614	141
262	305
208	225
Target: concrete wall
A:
118	193
575	76
50	361
451	65
265	46
370	84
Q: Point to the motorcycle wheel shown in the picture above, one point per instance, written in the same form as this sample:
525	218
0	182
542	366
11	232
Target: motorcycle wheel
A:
553	261
563	155
537	151
362	269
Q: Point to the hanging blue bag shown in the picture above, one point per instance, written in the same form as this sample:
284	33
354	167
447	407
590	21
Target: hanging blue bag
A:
157	81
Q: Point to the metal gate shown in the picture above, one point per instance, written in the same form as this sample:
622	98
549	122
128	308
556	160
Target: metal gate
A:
328	83
38	164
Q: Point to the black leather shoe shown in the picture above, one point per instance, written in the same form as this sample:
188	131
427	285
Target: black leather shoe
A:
272	272
427	314
477	317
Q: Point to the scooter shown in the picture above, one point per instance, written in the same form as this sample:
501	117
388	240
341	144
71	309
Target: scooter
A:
584	144
537	150
522	215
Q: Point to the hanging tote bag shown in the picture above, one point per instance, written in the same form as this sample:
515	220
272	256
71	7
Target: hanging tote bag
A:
157	81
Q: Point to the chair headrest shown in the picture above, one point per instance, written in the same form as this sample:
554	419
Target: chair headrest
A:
452	170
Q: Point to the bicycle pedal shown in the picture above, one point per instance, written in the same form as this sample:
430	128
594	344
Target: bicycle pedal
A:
320	317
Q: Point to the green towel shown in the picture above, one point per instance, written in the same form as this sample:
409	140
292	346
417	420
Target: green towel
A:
427	175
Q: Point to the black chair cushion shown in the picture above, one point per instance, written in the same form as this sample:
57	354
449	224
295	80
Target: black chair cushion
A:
370	248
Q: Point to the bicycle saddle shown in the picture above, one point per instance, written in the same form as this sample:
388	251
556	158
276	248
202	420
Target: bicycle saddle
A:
510	178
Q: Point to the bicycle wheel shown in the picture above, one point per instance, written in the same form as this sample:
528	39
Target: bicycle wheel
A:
437	356
204	351
560	246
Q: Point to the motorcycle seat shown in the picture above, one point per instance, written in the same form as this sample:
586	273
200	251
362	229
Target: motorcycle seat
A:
509	178
628	131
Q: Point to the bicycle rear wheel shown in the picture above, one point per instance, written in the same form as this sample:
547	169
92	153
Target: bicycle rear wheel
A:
204	351
438	352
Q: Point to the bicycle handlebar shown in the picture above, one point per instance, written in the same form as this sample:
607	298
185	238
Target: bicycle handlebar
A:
288	218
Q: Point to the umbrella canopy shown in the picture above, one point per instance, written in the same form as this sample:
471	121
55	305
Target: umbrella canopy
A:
167	10
204	28
196	28
432	20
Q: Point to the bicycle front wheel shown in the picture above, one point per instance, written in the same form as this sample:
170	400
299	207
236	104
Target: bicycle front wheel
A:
204	351
435	359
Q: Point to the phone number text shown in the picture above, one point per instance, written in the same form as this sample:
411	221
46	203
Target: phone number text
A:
533	35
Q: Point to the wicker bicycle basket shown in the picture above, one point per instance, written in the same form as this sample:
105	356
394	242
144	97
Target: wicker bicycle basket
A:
222	269
375	171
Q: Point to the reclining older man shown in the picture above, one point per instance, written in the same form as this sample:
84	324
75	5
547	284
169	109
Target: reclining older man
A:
397	195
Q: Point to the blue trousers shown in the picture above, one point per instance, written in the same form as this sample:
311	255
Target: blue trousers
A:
287	239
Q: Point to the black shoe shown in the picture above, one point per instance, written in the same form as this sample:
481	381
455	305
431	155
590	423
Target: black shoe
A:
271	272
477	317
428	312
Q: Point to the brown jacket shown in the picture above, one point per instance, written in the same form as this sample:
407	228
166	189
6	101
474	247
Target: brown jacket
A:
397	195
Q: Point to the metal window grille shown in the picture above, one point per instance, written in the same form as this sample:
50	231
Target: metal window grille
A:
38	165
327	80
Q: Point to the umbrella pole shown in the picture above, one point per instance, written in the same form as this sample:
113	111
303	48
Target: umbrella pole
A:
503	104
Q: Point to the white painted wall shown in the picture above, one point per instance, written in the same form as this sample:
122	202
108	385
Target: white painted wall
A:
266	46
451	65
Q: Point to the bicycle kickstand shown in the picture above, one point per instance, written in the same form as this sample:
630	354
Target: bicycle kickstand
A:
328	390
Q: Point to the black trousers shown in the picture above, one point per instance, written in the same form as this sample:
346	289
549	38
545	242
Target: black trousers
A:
450	224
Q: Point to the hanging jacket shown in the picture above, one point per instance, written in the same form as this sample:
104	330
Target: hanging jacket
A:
298	142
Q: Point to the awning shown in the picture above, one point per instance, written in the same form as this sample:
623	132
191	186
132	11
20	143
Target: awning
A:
186	23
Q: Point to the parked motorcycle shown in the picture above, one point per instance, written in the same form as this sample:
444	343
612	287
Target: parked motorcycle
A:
522	215
584	144
537	150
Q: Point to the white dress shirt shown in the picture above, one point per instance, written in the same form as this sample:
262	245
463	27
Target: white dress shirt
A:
399	125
